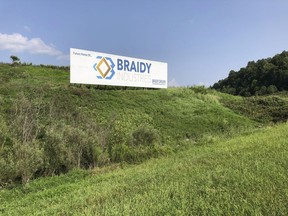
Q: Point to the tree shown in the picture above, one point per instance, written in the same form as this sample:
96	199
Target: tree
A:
15	59
266	76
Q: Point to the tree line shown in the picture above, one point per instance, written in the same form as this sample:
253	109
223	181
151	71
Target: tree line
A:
265	76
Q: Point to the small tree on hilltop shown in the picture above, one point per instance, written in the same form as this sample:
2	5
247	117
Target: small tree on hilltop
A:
15	59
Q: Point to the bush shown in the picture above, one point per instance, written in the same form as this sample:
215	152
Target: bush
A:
121	152
7	167
21	160
145	135
67	147
28	159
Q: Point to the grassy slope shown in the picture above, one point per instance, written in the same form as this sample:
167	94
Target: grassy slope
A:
243	175
176	113
271	108
246	175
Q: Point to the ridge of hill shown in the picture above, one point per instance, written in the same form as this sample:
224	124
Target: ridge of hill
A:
49	127
266	76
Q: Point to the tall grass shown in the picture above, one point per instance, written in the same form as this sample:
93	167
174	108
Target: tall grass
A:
67	126
245	175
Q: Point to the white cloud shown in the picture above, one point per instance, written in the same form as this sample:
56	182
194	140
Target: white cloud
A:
18	43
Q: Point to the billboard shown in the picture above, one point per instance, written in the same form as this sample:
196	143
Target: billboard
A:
88	67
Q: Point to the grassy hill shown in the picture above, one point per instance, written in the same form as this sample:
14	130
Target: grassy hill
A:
49	126
214	151
246	175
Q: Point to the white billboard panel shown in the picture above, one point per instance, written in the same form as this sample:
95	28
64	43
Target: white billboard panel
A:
88	67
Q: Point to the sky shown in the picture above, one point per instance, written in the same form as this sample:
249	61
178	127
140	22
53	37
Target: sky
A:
201	40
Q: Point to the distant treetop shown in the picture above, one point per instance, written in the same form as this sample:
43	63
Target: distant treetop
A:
266	76
15	59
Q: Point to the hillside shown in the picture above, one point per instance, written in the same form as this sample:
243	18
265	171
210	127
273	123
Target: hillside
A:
245	175
103	151
266	76
49	127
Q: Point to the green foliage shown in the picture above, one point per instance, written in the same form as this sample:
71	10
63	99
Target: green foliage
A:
15	59
49	127
245	175
24	155
262	109
21	160
75	126
266	76
28	158
121	152
145	135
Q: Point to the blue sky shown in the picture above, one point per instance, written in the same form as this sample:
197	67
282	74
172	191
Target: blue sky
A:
201	40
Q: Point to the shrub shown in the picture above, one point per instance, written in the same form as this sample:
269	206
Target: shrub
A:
145	135
28	159
7	167
21	160
57	153
121	152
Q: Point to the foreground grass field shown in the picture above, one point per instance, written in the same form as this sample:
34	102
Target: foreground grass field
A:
245	175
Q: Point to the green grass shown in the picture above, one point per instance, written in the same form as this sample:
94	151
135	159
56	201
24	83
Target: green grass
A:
245	175
265	109
216	155
104	121
178	113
